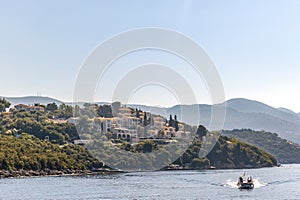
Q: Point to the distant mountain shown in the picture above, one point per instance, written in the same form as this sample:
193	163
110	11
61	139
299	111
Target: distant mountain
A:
32	100
250	106
240	113
82	103
286	110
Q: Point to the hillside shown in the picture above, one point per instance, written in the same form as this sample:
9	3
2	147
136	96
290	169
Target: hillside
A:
30	153
228	153
231	153
24	146
283	150
240	113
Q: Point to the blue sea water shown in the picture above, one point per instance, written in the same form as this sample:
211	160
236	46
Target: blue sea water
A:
270	183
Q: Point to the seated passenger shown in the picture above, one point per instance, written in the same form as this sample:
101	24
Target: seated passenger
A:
240	180
250	180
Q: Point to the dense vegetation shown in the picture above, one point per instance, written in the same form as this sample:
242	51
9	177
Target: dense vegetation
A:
40	124
30	153
227	153
24	143
285	151
230	153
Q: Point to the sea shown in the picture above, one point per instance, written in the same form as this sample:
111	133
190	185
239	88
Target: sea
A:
270	183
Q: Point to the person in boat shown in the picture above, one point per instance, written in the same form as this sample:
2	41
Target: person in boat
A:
240	180
250	180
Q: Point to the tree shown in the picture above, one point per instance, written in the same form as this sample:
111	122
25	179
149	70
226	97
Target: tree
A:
77	110
196	163
4	104
171	122
147	147
105	111
176	123
66	111
145	119
137	113
51	106
62	106
2	107
201	131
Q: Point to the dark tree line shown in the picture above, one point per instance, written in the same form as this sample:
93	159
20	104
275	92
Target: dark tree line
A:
105	111
173	122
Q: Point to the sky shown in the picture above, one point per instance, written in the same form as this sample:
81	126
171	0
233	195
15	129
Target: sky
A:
254	45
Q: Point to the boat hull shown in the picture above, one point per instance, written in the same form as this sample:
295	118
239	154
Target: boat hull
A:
246	186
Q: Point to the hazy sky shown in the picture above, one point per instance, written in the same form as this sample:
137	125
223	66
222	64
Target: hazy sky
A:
255	44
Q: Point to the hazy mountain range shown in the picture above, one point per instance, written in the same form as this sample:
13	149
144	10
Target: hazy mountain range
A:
240	113
30	100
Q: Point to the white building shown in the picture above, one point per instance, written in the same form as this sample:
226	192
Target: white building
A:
124	134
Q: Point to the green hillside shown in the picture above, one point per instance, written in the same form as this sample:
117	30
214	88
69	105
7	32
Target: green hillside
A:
228	153
285	151
30	153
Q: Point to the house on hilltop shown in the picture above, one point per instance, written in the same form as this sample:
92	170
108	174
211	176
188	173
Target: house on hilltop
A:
24	107
21	107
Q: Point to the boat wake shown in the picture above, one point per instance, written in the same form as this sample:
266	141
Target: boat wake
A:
233	183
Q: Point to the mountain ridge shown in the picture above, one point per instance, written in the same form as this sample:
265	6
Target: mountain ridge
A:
32	100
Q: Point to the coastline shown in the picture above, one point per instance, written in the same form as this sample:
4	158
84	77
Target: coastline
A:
105	171
31	173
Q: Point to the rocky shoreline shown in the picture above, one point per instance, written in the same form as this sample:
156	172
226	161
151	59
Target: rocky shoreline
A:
104	171
48	172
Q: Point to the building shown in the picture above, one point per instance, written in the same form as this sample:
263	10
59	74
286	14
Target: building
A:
124	134
36	108
166	132
104	125
124	112
82	142
183	134
23	107
127	122
158	122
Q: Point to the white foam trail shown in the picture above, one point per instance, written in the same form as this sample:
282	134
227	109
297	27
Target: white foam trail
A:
230	183
233	183
257	183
